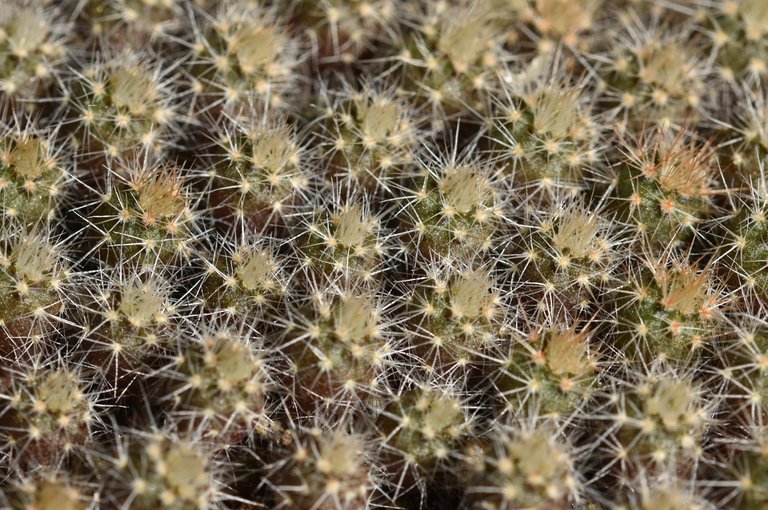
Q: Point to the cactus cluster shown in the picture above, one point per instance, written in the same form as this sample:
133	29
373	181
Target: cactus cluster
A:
413	254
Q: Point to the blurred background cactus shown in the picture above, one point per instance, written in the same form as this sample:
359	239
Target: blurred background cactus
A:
415	254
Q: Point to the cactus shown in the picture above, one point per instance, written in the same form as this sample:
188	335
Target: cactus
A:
743	241
548	373
47	412
543	130
665	188
559	19
242	55
121	105
453	204
32	180
125	317
33	275
660	419
143	214
347	240
161	469
47	490
422	428
450	60
256	175
244	279
341	347
369	136
135	23
344	30
32	48
745	134
653	75
457	315
751	469
566	259
323	469
671	311
738	36
522	468
220	385
666	492
745	359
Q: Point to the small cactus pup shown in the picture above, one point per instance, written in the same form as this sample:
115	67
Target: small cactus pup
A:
32	47
567	259
33	276
457	315
659	419
560	21
672	310
47	489
218	383
542	130
522	467
122	105
323	467
245	279
367	136
453	205
451	59
744	241
667	491
47	412
244	54
549	372
423	425
344	236
739	30
256	175
745	362
749	457
32	174
342	345
126	318
664	189
653	75
143	213
162	469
